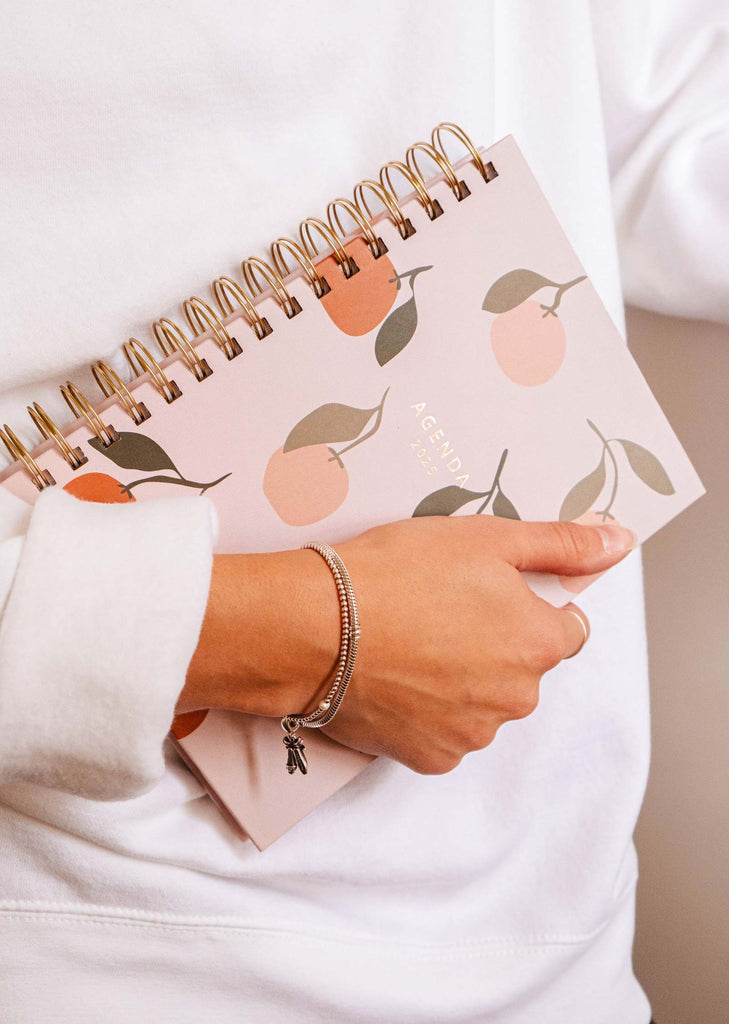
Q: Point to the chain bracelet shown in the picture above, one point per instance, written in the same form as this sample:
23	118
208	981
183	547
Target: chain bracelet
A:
349	640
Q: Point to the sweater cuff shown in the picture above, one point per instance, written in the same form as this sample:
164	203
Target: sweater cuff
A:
100	626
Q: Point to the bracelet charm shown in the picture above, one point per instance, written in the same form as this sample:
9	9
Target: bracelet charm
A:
328	707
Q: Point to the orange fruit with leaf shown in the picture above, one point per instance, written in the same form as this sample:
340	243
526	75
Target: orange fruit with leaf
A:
357	304
98	487
305	480
528	338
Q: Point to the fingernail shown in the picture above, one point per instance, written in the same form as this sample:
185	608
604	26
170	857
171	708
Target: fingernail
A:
616	538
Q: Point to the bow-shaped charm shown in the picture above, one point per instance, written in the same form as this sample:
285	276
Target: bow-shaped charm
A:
296	757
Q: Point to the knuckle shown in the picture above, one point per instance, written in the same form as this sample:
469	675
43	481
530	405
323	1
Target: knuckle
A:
435	763
524	701
573	539
548	650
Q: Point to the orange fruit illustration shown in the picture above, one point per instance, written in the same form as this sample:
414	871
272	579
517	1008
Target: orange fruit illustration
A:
306	484
576	584
357	304
183	725
97	487
529	346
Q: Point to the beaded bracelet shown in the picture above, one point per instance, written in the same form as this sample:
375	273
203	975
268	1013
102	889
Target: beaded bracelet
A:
349	640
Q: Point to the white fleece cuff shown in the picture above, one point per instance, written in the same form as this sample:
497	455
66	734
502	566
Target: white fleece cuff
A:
99	628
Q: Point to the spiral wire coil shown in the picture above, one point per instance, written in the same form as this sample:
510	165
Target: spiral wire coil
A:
236	299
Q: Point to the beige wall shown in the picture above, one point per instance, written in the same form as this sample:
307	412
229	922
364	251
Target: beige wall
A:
682	945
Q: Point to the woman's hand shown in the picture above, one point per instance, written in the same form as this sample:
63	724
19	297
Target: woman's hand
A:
453	642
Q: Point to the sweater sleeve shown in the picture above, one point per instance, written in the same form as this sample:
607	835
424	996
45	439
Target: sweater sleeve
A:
102	610
664	70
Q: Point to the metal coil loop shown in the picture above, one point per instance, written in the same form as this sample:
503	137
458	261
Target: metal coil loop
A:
202	318
346	264
252	266
172	339
79	405
317	282
458	188
111	384
48	428
376	246
487	171
134	349
388	199
223	288
42	478
431	206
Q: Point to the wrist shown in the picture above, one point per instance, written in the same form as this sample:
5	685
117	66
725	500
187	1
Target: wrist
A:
270	637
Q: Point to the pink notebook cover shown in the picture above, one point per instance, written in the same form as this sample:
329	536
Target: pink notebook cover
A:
472	368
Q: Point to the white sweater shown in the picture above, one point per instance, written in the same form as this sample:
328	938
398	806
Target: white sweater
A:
147	148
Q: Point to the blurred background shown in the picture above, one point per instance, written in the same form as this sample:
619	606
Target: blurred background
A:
682	944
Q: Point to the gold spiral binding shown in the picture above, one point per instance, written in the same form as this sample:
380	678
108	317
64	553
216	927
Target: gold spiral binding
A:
376	246
231	298
79	405
459	188
288	303
346	264
431	206
111	384
42	478
389	200
201	318
171	339
45	424
223	288
317	282
487	171
134	349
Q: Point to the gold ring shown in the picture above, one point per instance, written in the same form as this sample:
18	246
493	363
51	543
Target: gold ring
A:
317	282
388	199
431	206
288	303
585	629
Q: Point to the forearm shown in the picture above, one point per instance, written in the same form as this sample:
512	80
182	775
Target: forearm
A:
270	636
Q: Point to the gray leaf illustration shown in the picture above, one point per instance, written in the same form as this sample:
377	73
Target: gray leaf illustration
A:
446	500
503	507
512	289
396	331
331	422
135	451
647	467
584	494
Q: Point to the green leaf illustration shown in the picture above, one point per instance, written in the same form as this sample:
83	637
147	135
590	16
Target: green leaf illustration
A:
584	494
503	507
446	501
135	451
512	289
647	467
331	422
396	331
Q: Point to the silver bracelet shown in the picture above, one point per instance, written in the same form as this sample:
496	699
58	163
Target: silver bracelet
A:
349	640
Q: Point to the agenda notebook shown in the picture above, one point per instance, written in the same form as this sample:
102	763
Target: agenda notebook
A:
445	356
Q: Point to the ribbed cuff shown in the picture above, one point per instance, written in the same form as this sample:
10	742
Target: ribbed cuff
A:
99	628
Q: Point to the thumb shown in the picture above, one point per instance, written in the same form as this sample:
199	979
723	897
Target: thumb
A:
568	549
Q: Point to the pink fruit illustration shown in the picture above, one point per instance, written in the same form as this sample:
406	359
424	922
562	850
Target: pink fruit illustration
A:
306	484
527	337
305	479
528	346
